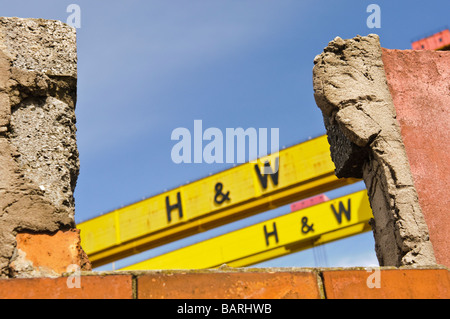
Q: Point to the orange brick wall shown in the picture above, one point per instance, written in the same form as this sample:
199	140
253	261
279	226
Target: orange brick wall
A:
52	253
238	284
419	82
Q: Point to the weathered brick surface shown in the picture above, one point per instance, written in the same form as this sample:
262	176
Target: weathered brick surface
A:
240	285
91	287
419	82
52	254
394	284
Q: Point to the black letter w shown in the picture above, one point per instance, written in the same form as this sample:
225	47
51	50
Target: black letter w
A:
347	212
273	175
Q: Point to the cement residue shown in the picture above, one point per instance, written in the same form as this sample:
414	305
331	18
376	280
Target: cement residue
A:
350	88
43	132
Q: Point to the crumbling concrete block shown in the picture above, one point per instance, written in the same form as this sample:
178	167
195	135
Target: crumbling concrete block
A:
39	162
351	89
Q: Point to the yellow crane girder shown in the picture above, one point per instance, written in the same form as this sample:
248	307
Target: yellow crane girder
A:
323	223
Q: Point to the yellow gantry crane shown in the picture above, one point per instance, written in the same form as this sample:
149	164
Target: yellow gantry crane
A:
294	173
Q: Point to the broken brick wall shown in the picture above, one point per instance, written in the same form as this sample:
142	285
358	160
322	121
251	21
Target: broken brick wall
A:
39	162
375	102
238	283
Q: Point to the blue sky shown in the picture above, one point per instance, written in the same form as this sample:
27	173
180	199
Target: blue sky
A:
148	67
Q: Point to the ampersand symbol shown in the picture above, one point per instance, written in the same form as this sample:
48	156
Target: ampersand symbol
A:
223	197
305	227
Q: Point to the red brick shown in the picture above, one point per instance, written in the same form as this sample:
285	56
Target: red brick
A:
394	284
419	82
239	285
91	287
53	252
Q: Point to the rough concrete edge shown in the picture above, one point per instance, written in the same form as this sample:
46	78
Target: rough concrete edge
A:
384	268
321	284
249	270
197	271
134	287
43	65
